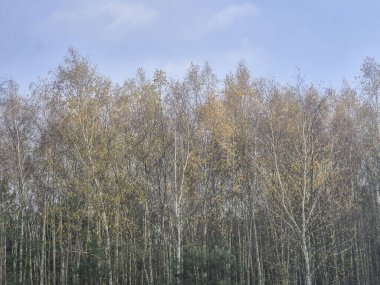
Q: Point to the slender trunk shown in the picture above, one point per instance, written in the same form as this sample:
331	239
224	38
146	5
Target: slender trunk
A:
43	247
306	259
178	215
146	237
14	254
149	250
5	256
258	260
108	248
30	258
117	271
54	251
21	244
179	253
22	200
76	258
3	252
305	248
61	249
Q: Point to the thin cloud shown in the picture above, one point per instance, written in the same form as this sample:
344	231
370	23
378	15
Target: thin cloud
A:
220	20
109	15
121	13
227	16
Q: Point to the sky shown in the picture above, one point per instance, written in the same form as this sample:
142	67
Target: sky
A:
325	41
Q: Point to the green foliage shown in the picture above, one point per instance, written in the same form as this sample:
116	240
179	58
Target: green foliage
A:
92	266
215	266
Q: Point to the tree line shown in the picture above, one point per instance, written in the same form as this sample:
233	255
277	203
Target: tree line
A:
191	181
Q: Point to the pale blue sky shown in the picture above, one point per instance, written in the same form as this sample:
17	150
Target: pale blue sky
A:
326	40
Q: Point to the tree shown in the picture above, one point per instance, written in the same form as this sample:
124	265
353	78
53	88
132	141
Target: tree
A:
188	181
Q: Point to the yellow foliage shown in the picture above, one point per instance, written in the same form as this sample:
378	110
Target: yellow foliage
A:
215	120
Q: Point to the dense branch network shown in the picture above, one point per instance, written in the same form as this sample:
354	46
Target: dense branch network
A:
192	181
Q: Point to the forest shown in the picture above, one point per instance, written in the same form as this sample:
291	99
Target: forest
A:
197	180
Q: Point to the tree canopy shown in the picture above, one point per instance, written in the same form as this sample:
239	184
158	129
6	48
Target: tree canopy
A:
191	181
